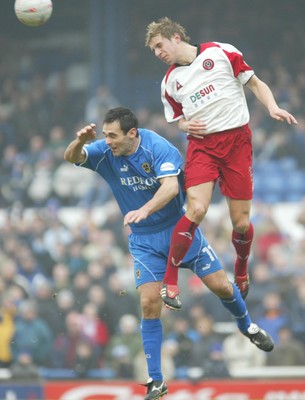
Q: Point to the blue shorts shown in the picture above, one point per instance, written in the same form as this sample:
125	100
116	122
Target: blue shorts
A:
150	253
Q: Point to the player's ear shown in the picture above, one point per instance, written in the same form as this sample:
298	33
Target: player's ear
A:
133	132
176	37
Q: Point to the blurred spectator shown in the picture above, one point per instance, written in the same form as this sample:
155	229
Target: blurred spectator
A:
61	276
185	338
85	359
262	282
46	305
64	305
28	266
97	296
98	104
124	345
7	329
32	335
120	301
8	272
80	287
93	327
55	236
24	368
57	143
268	234
288	351
207	338
75	258
122	363
240	354
273	315
72	346
207	351
296	301
214	366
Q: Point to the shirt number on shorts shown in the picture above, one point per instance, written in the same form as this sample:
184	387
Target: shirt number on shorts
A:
210	252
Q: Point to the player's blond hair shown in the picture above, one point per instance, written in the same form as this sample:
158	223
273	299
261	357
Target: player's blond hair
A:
166	28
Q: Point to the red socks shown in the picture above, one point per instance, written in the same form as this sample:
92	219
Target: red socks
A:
182	238
242	244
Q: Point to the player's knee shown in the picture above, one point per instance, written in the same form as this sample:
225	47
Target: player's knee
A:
150	305
223	289
197	211
241	226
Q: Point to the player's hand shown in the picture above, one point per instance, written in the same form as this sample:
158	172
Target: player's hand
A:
87	133
135	216
283	115
196	127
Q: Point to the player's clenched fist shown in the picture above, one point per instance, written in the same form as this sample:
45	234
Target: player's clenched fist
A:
87	133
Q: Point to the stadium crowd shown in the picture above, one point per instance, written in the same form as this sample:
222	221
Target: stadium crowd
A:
67	297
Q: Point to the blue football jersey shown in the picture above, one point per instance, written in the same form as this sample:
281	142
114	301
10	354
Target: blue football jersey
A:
134	179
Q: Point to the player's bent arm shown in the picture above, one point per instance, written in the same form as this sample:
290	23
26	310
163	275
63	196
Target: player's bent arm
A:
74	153
263	93
167	191
183	125
193	127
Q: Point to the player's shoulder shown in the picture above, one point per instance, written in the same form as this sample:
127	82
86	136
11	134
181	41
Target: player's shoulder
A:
227	47
215	46
149	136
151	139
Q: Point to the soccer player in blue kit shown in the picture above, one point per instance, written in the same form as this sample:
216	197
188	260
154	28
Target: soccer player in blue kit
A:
144	172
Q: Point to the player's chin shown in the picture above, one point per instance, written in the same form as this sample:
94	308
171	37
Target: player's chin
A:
116	152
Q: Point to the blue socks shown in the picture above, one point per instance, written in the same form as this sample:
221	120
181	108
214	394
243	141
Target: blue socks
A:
238	309
151	331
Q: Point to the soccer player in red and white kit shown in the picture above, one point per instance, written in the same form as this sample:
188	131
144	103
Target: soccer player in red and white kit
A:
203	91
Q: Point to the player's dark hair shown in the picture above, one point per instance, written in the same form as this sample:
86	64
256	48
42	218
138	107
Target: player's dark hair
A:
124	116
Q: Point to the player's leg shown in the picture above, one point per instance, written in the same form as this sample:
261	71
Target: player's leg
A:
231	299
242	237
149	266
151	331
236	183
198	200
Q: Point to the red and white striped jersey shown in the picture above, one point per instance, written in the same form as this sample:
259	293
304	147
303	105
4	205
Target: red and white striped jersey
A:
209	89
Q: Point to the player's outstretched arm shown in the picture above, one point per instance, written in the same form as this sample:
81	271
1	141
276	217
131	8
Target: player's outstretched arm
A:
74	153
263	93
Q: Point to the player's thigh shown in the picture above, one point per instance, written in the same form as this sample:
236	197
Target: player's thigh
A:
236	177
149	253
201	167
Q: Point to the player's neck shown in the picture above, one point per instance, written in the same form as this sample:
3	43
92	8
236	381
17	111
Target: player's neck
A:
188	54
135	145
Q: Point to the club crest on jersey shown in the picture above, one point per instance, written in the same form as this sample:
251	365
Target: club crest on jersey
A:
178	86
138	274
208	64
146	167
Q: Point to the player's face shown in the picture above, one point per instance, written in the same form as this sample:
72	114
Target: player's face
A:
121	144
165	49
